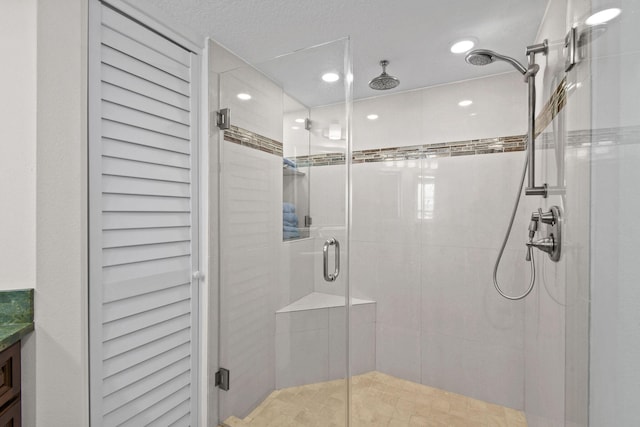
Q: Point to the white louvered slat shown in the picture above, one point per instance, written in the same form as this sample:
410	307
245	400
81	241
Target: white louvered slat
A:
153	413
139	51
175	416
123	25
140	337
144	409
144	71
137	135
132	151
139	304
145	354
144	236
125	326
136	169
145	385
142	271
144	186
143	220
131	117
143	87
124	220
124	378
135	101
129	203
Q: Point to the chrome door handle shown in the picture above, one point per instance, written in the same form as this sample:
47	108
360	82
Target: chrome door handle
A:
331	277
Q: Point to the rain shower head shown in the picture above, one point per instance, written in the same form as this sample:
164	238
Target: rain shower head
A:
384	81
484	57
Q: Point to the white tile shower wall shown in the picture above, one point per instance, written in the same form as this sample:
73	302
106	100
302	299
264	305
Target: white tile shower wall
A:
556	336
262	113
615	342
250	238
433	115
311	344
426	232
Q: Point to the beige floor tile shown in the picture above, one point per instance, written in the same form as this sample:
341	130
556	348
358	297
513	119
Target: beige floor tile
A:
395	422
441	404
378	400
496	421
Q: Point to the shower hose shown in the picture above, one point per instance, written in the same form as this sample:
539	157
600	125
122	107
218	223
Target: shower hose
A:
504	244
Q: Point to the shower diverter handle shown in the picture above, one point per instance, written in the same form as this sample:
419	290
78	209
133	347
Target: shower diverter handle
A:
331	277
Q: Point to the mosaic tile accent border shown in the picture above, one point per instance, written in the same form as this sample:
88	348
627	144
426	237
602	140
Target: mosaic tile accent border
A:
503	144
556	103
449	149
253	140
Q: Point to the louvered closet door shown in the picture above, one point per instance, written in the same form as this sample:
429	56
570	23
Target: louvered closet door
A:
143	225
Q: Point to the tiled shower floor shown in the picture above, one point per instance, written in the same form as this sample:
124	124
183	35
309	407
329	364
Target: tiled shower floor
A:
377	400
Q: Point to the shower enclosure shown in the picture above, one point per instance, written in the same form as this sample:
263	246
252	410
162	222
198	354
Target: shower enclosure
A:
283	236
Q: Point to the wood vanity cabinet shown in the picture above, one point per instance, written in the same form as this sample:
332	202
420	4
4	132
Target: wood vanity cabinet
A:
10	408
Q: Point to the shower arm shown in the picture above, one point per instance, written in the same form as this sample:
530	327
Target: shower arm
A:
530	78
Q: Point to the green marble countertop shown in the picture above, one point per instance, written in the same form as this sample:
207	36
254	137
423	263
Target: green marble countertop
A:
12	333
16	316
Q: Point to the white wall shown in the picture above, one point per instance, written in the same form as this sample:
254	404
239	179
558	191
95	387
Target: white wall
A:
61	321
18	34
18	147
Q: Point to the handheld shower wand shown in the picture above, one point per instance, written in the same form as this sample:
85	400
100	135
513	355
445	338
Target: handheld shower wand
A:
484	57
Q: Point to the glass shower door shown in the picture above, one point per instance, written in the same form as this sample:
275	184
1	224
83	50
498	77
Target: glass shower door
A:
283	233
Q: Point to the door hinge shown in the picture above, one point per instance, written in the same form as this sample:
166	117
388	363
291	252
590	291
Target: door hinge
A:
307	124
222	379
223	118
307	221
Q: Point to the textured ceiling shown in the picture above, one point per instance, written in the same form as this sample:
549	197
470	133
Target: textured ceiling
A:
414	35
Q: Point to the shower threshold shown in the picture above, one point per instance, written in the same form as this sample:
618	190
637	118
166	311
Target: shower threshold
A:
377	400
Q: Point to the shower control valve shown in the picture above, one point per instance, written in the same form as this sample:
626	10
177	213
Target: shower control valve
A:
548	218
551	243
546	244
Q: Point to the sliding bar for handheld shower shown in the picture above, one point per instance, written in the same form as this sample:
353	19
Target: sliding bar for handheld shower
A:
530	78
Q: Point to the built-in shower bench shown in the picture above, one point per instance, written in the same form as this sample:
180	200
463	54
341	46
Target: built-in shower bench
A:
311	339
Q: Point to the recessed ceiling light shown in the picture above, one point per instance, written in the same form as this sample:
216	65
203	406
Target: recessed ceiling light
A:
299	120
372	116
295	127
603	16
465	103
244	96
330	77
462	46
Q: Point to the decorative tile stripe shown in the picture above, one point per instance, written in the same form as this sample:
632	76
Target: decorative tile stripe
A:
253	140
502	144
556	103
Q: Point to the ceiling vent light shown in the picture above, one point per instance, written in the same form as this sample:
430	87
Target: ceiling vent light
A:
465	103
244	96
372	117
330	77
299	120
462	46
603	16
